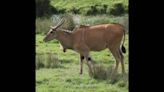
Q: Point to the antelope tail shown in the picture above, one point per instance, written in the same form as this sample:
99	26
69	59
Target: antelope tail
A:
123	48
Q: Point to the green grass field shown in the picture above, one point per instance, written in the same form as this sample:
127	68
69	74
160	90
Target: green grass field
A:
66	77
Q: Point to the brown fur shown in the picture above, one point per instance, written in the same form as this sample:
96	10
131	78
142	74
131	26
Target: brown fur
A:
92	38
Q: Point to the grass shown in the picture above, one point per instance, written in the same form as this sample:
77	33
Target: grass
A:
42	25
68	80
101	19
48	60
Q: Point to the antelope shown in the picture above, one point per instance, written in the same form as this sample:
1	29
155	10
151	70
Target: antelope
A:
91	38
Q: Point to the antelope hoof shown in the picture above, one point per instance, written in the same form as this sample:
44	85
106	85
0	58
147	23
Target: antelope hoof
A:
64	50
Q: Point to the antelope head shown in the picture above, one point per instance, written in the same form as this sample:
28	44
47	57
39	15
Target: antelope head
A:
52	34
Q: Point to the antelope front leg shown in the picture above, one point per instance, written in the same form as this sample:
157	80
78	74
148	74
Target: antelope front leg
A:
81	64
90	65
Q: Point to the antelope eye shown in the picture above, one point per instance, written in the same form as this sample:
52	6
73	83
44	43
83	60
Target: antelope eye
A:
51	32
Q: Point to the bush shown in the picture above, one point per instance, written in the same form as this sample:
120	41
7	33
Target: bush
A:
73	10
88	7
43	8
101	9
122	83
39	61
108	10
46	60
93	9
126	9
106	73
117	9
86	11
99	72
51	60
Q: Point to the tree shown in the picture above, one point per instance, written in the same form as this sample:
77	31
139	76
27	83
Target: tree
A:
43	8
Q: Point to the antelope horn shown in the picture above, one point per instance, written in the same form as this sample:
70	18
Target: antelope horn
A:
52	27
60	23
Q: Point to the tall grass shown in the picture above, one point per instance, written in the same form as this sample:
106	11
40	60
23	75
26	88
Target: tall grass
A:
103	72
43	24
99	19
47	60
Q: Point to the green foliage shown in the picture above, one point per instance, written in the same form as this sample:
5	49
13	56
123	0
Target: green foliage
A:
94	9
90	7
117	9
86	11
43	8
122	83
84	7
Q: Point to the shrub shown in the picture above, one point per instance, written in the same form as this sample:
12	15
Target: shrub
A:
47	60
51	60
117	9
93	9
43	8
122	83
39	61
88	7
106	73
108	10
74	10
99	72
101	9
86	11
